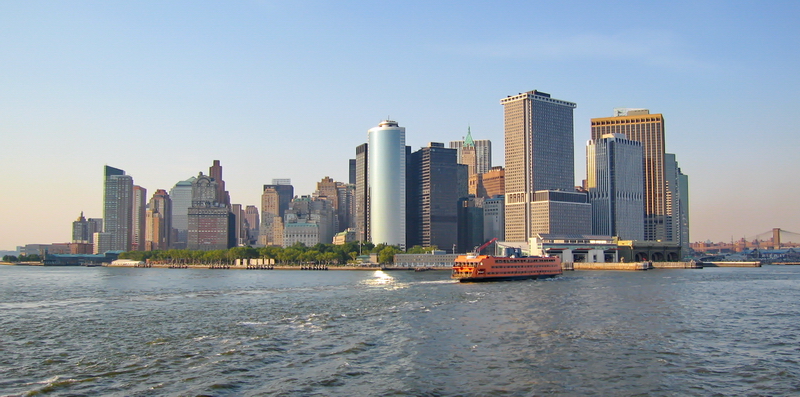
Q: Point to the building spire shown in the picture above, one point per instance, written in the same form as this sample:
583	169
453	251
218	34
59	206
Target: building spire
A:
468	142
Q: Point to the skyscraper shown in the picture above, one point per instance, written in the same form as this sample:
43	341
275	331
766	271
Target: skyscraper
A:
80	230
479	149
539	154
211	225
251	214
138	217
215	172
433	197
346	195
158	222
640	125
361	213
469	156
95	226
181	196
239	230
615	186
327	188
275	200
351	168
117	209
683	191
677	202
387	183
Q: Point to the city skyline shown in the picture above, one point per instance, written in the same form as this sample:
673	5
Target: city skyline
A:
185	83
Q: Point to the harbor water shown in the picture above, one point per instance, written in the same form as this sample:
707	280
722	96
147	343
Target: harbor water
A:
70	331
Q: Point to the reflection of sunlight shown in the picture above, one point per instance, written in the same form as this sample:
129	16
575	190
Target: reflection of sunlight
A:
381	278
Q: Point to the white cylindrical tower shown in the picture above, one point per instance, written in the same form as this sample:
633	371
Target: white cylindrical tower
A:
387	183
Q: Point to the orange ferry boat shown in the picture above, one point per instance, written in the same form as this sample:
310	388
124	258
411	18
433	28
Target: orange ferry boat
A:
495	268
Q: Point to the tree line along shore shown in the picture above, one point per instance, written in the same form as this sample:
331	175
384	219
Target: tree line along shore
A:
294	256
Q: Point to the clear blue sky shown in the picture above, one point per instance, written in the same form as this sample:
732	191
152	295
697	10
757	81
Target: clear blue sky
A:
289	89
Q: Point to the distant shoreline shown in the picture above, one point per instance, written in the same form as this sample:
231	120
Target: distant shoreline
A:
231	267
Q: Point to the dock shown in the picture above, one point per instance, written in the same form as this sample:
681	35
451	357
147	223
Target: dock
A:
630	266
732	264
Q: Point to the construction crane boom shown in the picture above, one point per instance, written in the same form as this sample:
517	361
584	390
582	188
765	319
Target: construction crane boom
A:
486	244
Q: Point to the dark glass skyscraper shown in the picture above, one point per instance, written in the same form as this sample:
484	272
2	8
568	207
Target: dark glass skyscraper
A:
362	193
435	184
118	208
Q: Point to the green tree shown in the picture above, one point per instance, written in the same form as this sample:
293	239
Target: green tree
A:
329	257
386	255
289	255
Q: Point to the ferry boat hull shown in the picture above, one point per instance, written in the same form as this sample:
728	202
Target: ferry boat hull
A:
476	268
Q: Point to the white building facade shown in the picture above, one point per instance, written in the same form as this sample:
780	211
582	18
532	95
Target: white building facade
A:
387	183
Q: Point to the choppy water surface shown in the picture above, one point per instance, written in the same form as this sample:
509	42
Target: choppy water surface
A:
129	332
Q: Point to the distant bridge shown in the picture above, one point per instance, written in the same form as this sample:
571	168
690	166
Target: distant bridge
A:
777	236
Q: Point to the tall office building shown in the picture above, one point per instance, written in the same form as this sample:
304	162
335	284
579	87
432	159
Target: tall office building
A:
677	202
138	217
346	196
683	191
387	183
539	154
275	200
211	225
117	209
328	189
80	230
361	205
615	185
251	214
158	229
480	150
433	197
351	168
95	226
469	156
181	196
639	125
215	172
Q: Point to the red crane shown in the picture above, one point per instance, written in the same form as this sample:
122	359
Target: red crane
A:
486	244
